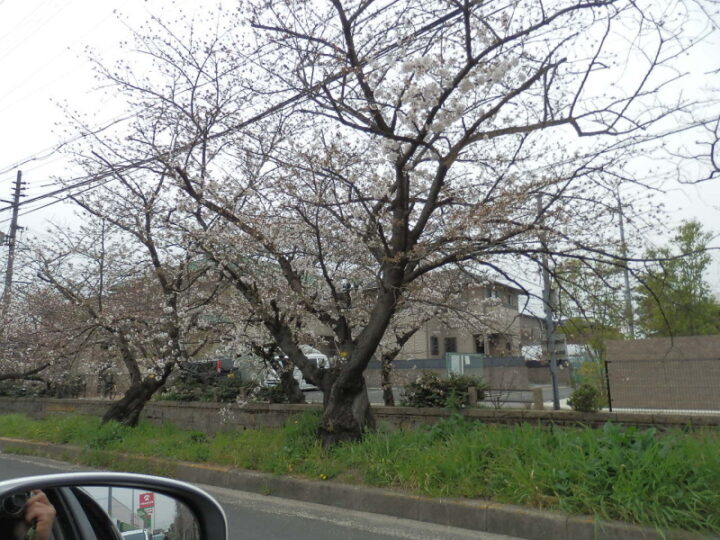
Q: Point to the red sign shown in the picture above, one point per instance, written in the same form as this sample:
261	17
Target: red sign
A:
147	500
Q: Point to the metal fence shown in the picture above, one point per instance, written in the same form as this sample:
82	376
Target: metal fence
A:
455	362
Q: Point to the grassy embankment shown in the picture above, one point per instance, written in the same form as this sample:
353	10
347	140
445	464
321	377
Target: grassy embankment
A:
668	481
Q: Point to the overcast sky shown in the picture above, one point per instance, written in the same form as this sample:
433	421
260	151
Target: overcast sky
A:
43	66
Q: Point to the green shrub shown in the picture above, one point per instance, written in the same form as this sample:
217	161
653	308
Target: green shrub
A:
217	388
593	374
585	398
429	390
67	386
16	388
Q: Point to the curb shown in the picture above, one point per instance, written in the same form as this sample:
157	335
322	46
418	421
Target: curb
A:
473	514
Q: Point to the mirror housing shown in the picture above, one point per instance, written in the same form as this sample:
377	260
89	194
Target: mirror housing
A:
209	515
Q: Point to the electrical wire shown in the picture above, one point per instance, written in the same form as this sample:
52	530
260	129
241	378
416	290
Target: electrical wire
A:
54	149
297	97
21	24
18	87
31	34
50	150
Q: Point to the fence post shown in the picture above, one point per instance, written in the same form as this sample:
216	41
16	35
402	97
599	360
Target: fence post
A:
472	396
538	401
607	384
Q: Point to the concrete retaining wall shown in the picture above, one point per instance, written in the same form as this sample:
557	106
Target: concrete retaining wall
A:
213	417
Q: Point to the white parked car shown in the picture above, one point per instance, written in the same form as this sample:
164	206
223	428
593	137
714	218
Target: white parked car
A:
311	354
138	534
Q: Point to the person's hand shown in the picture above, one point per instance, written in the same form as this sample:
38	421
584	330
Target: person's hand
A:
40	514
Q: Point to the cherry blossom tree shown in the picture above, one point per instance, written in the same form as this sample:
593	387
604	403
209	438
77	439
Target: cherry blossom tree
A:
137	299
43	338
29	346
347	150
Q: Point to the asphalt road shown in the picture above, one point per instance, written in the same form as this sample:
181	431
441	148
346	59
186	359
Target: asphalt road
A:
252	516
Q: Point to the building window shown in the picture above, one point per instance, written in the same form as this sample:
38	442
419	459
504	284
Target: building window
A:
434	346
450	344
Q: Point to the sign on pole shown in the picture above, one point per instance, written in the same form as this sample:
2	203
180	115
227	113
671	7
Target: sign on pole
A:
146	500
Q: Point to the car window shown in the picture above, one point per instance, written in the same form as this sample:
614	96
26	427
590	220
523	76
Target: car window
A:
99	520
72	517
62	528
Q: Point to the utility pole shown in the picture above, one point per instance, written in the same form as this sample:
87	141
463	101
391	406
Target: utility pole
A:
629	315
549	303
11	241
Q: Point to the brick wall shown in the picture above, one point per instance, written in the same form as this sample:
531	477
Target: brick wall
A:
681	373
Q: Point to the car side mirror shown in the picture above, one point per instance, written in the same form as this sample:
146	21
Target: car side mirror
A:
116	506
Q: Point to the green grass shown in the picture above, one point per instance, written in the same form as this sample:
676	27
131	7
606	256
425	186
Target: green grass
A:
669	480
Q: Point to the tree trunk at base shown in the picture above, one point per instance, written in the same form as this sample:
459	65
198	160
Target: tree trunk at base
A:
290	387
386	384
127	409
388	396
347	413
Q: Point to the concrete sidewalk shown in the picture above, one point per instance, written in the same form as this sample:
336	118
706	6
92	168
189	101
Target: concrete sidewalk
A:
470	514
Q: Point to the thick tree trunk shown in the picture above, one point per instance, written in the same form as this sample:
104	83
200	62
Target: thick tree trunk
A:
347	414
386	383
127	409
290	387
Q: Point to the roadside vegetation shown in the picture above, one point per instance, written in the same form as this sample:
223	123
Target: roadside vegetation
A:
668	480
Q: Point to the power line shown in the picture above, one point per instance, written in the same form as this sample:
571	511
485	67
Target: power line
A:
29	35
84	182
297	97
51	150
21	24
18	86
52	203
39	164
